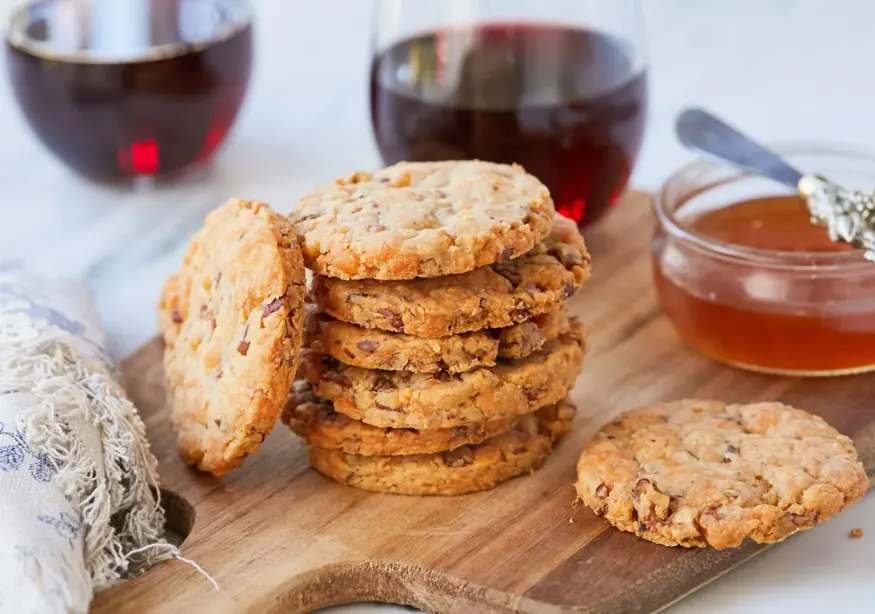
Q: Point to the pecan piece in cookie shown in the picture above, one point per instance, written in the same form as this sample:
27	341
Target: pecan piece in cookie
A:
368	345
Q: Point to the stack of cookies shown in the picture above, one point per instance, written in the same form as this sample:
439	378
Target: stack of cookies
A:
437	349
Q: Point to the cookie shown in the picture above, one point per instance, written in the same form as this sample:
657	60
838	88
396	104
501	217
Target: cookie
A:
378	349
401	399
422	219
315	420
696	473
232	320
467	469
495	296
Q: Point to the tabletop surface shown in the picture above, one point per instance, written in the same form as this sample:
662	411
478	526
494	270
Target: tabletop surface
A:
794	70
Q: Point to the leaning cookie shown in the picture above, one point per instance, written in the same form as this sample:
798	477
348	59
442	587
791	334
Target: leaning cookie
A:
495	296
422	219
378	349
697	473
467	469
400	399
315	420
232	320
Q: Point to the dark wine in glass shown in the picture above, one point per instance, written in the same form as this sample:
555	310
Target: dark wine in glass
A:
117	106
566	102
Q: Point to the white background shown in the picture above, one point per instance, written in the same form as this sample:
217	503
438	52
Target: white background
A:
789	69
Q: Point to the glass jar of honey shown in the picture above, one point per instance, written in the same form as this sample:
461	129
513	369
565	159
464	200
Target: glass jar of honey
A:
747	280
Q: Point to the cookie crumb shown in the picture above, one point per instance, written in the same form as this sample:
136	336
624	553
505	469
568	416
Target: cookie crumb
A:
856	533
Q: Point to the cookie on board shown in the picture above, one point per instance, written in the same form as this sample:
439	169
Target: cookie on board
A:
471	468
494	296
315	420
378	349
232	319
422	219
400	399
697	473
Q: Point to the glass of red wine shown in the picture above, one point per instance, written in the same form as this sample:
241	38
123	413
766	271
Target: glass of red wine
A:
558	86
127	90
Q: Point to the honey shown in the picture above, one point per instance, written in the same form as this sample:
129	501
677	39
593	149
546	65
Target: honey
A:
780	223
800	308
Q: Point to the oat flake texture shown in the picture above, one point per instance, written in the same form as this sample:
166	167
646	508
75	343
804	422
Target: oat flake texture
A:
422	219
378	349
522	449
401	399
493	296
315	420
697	473
232	320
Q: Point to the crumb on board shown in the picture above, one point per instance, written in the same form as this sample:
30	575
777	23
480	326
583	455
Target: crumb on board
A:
856	533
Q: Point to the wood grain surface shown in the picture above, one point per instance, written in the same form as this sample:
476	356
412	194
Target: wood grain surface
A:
278	537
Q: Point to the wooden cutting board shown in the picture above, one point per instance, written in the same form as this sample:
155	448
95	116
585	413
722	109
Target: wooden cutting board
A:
278	537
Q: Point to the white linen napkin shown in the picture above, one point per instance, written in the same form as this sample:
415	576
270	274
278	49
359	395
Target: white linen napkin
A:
78	509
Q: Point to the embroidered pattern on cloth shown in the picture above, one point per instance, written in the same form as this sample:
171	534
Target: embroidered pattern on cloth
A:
14	451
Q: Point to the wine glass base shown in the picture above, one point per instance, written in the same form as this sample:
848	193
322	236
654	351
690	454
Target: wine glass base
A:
197	173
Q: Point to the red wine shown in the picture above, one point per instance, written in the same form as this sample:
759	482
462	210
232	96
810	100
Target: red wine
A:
568	104
160	104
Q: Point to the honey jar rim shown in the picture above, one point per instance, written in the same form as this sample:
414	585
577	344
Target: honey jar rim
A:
689	180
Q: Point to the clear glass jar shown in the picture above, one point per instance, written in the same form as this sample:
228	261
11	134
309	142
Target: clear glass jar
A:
799	313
